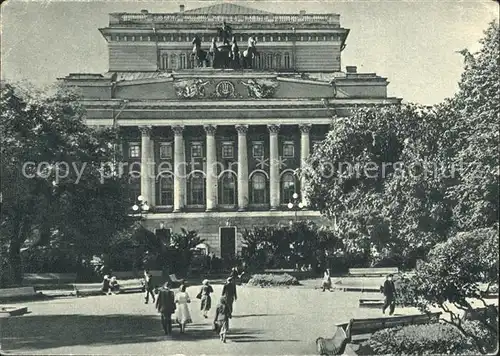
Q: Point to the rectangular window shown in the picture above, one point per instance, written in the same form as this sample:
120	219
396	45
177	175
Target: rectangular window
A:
134	150
288	149
196	151
165	150
227	150
258	150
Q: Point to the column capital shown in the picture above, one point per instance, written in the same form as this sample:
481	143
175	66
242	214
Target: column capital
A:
146	130
273	129
305	128
178	129
242	129
210	129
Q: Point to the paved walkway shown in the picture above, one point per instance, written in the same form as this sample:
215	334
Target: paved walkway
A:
267	321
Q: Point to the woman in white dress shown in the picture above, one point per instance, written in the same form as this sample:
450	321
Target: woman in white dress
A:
183	316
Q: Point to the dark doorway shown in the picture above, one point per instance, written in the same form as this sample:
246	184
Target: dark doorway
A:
228	243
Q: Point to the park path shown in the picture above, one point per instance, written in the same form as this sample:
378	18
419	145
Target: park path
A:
267	321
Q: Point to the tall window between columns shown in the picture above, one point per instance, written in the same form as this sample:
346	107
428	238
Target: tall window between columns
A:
286	59
258	195
287	187
227	189
196	189
134	187
164	61
166	190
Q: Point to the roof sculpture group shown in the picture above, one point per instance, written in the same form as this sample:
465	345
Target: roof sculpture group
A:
227	54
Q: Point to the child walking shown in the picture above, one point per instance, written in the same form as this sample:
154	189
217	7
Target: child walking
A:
221	321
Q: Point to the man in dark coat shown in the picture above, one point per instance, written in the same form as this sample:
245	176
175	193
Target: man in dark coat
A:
229	291
390	295
165	304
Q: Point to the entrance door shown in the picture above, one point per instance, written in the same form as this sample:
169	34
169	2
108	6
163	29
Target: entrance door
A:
228	243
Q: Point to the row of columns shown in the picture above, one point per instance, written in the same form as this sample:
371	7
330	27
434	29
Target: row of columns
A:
180	191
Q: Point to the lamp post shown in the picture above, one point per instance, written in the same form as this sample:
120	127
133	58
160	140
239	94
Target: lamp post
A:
141	207
295	204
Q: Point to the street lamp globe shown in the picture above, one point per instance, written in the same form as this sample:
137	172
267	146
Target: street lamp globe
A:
140	198
290	206
135	207
301	205
295	195
145	207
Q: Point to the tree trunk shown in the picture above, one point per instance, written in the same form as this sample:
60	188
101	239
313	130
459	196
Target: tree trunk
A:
15	262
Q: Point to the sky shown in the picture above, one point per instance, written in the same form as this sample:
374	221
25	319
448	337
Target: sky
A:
413	43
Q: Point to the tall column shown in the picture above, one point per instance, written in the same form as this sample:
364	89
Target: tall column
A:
147	165
242	167
304	153
274	167
179	169
211	171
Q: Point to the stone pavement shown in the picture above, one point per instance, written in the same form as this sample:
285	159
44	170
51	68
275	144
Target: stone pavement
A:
267	321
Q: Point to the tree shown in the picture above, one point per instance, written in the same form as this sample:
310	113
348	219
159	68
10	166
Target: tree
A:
474	136
451	277
57	180
377	176
183	244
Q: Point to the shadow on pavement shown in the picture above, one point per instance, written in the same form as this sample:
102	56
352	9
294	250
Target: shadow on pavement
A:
38	332
256	315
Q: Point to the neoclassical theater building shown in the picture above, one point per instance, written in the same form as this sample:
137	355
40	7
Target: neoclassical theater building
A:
219	149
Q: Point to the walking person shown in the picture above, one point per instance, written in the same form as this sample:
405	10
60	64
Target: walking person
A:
165	304
148	286
390	295
204	295
221	320
229	291
183	316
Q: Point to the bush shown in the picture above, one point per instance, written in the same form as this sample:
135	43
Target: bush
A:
420	339
264	280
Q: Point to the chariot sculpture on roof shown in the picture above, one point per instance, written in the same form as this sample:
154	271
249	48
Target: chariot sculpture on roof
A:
227	54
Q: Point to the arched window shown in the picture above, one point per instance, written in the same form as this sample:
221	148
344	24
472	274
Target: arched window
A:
287	187
173	61
196	190
277	61
164	61
228	189
269	61
286	59
134	187
258	188
167	190
183	64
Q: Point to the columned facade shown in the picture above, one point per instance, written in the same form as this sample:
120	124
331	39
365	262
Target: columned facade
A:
147	165
179	169
243	197
304	154
211	168
274	167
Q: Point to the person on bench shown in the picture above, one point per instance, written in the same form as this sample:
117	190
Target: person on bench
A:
114	287
390	295
105	284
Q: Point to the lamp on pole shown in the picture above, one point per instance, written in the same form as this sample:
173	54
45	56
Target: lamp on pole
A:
141	207
295	204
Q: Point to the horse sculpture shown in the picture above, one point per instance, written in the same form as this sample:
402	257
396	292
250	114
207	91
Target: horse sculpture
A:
249	54
199	55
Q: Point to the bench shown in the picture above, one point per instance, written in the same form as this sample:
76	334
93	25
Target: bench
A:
88	289
373	272
19	293
371	302
12	310
48	278
363	328
363	289
127	275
